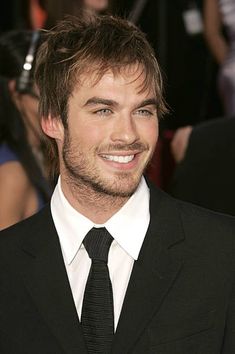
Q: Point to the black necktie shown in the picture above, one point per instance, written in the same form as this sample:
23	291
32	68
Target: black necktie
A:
97	310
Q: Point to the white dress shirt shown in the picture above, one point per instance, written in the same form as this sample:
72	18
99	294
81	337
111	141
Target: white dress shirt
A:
128	227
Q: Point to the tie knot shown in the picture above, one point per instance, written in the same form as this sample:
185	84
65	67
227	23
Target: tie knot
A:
97	243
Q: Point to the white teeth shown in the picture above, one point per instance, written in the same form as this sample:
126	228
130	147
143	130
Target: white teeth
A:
120	159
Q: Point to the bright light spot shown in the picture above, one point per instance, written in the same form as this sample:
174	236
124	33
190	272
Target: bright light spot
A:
27	66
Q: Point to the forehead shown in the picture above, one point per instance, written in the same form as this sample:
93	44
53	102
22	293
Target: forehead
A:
132	78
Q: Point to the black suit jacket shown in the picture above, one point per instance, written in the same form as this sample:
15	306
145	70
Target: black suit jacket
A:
180	297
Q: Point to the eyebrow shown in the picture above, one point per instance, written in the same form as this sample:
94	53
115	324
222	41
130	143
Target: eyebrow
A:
148	102
98	100
108	102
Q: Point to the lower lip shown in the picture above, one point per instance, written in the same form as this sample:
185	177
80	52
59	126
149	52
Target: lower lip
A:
123	166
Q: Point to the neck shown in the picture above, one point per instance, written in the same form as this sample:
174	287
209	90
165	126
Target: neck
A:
96	206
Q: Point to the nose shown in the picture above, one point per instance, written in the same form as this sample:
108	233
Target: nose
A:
124	130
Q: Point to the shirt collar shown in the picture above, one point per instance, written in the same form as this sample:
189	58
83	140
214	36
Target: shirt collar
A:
128	226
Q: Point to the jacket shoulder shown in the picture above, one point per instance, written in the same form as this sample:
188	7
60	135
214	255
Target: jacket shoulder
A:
197	222
26	227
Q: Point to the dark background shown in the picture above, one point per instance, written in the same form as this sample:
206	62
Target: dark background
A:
188	69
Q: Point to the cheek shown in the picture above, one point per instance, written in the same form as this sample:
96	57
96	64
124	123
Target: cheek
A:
149	132
87	137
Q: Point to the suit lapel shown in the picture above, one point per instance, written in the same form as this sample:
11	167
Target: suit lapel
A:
46	279
153	273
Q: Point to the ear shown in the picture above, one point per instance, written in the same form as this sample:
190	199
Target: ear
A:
53	127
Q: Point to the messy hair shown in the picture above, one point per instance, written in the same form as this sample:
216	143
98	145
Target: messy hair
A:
88	45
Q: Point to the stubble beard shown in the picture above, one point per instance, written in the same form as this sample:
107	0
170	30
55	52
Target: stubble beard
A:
85	180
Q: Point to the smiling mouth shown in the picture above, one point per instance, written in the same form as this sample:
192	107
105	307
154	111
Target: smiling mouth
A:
120	159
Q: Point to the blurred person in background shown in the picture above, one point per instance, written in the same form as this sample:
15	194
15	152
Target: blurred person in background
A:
205	171
46	13
205	153
23	187
219	22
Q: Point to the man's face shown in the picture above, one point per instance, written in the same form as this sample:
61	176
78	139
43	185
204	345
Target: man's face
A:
111	135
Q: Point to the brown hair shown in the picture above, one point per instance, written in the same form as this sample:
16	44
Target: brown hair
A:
93	44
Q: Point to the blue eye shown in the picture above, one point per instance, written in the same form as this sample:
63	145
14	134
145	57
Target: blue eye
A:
144	112
103	112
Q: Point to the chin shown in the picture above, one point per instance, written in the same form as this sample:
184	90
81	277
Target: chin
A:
120	188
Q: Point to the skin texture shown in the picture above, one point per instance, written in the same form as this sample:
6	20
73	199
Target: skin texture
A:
105	119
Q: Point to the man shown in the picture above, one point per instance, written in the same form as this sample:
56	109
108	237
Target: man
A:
164	283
